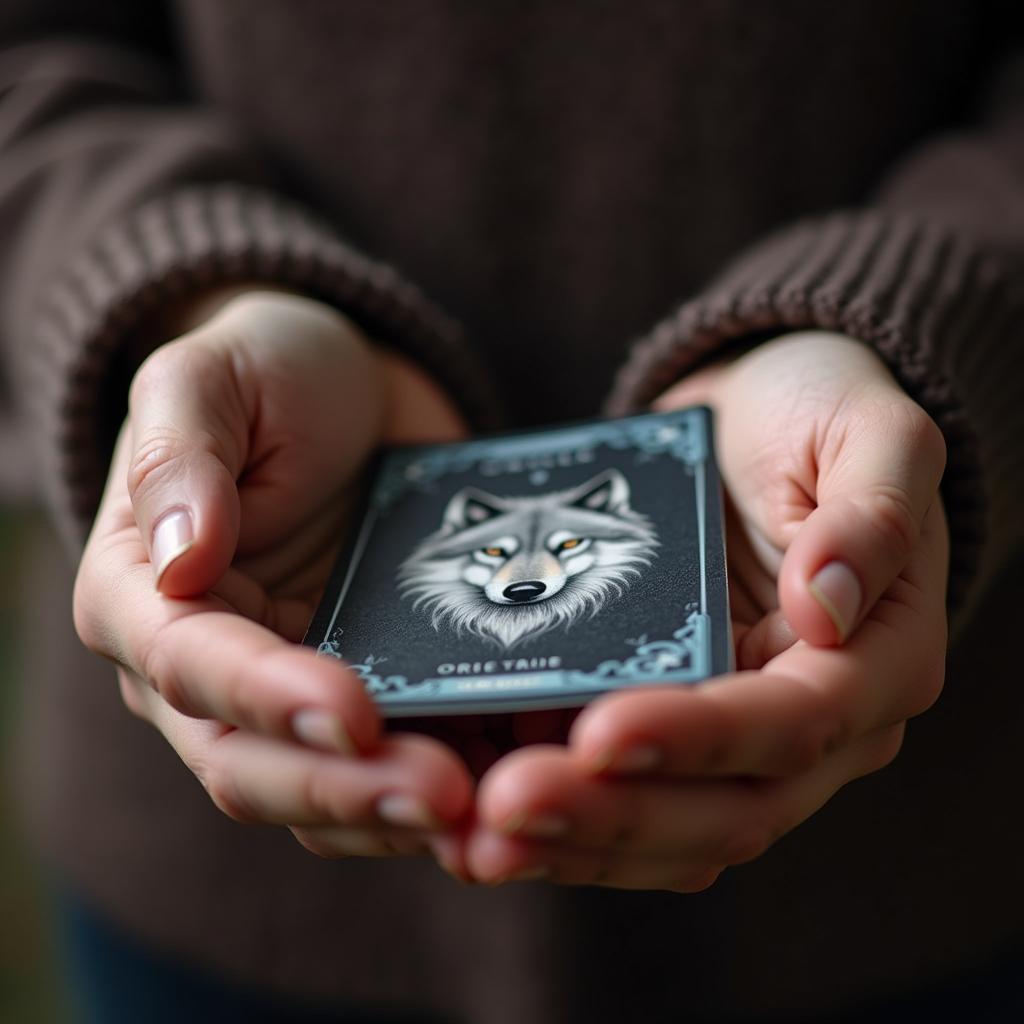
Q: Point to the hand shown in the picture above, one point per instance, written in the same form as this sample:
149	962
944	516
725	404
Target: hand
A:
229	490
838	555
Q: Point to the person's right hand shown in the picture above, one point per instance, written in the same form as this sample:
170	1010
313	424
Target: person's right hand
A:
228	495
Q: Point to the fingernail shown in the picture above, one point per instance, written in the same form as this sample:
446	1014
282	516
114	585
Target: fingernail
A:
543	826
632	761
407	811
323	729
837	590
445	851
172	537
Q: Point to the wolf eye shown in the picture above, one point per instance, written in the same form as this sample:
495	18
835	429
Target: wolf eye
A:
572	542
494	552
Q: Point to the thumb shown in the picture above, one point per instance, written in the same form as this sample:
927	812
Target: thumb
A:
188	439
872	500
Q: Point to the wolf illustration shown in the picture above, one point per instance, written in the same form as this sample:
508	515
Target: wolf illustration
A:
505	568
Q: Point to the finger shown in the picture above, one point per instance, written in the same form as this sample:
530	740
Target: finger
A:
449	850
208	662
542	793
805	703
189	430
872	498
408	782
333	842
496	859
300	562
697	827
288	617
219	665
759	724
750	723
769	636
753	567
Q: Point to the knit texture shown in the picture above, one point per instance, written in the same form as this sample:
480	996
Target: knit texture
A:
929	302
177	245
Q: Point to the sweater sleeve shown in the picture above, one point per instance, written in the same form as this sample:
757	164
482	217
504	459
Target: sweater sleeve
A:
928	274
117	198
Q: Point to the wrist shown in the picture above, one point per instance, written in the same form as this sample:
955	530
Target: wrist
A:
196	309
788	352
416	409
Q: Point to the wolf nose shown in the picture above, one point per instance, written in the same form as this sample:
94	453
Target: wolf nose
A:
525	591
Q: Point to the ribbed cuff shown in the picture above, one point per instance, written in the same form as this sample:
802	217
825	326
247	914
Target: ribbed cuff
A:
184	242
937	309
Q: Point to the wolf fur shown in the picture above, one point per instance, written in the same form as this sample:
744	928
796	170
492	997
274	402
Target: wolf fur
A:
507	568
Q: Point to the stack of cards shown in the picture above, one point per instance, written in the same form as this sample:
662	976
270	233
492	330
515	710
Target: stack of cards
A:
535	570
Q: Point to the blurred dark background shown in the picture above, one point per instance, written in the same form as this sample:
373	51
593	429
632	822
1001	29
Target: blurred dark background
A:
29	987
29	982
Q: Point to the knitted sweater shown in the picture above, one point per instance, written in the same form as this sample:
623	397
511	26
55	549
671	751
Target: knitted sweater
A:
561	176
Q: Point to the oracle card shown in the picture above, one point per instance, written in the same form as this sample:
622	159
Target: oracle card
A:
535	570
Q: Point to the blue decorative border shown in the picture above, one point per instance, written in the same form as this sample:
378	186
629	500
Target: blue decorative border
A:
684	439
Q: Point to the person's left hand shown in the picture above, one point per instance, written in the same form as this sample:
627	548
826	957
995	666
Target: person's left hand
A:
838	553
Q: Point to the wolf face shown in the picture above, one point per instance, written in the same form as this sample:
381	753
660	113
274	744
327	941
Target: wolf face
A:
506	568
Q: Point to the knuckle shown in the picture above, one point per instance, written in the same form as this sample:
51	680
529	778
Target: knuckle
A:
149	375
885	748
700	880
890	510
924	438
627	827
332	841
821	728
182	367
239	699
224	793
130	695
83	612
316	845
724	727
933	681
805	751
235	700
316	798
925	679
746	844
159	670
930	681
187	360
824	739
150	460
241	311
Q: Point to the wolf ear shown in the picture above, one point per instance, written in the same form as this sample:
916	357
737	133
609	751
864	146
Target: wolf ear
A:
469	507
606	492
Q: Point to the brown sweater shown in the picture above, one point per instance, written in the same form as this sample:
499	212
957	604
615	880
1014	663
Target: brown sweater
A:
561	175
